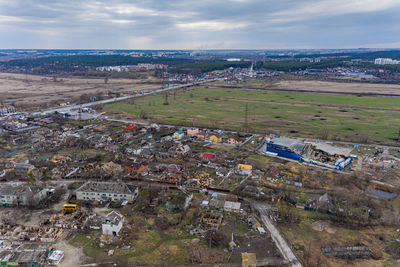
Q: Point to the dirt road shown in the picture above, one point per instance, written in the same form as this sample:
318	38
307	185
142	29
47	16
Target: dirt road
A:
276	236
73	256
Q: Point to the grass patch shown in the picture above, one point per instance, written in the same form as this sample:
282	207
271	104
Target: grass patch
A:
277	112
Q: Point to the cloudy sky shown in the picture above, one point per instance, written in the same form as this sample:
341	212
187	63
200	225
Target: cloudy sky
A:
199	24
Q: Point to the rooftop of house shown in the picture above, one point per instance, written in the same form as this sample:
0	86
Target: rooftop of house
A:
113	218
244	166
105	187
208	155
232	205
136	165
249	258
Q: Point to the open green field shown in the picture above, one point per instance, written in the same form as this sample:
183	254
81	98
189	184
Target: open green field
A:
340	117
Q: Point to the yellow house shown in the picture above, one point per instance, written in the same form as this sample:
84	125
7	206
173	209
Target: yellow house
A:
215	139
244	169
249	259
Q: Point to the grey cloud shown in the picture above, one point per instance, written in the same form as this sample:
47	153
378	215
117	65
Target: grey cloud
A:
158	24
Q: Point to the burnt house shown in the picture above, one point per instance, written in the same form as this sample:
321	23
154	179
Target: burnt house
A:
174	168
138	168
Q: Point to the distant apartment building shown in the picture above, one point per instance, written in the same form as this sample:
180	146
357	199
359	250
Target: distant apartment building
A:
233	59
138	67
386	61
22	195
107	191
5	110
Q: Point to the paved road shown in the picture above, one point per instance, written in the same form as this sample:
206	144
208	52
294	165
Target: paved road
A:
280	242
112	100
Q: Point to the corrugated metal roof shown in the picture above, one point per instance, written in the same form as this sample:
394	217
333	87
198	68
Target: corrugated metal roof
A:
333	150
293	144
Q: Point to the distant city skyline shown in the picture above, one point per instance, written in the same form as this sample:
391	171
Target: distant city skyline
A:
198	25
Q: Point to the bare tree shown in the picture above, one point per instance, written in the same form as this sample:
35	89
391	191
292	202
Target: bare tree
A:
325	133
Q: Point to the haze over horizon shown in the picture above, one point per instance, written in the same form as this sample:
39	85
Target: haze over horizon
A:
187	24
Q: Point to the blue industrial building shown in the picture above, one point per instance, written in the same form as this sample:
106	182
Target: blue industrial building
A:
286	147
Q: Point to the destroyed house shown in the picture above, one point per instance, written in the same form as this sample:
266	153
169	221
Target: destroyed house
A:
286	147
112	224
183	150
208	156
178	134
232	141
249	259
201	136
131	127
174	168
21	195
107	191
230	206
215	138
193	132
211	220
25	255
137	167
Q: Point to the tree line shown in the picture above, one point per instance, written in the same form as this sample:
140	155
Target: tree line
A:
203	67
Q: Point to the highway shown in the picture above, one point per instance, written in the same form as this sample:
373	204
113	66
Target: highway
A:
116	99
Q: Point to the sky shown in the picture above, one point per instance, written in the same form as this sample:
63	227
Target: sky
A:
199	24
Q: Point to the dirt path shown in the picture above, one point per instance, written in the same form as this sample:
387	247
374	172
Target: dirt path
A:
280	242
73	256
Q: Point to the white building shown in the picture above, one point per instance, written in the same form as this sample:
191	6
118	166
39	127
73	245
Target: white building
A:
4	110
112	224
230	206
107	191
386	61
23	195
233	59
55	257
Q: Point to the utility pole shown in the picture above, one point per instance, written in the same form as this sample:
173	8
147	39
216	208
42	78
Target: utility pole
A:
246	111
166	99
398	136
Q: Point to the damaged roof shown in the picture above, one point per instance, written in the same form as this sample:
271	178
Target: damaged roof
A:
26	253
102	187
114	218
19	190
332	150
293	144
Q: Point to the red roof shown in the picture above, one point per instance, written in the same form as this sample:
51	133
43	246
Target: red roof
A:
208	156
131	127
